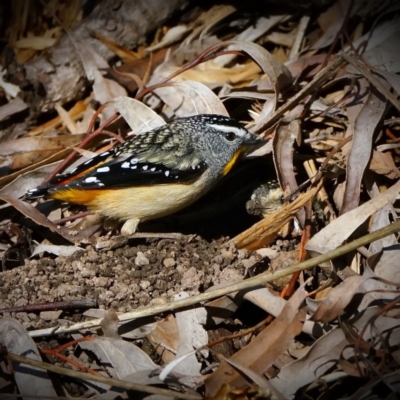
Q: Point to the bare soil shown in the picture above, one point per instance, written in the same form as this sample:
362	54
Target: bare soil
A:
152	270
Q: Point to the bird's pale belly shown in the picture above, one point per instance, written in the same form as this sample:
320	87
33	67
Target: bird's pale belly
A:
146	203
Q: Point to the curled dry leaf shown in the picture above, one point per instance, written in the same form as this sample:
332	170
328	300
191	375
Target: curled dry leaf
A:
258	379
338	298
172	36
259	354
124	357
28	180
324	354
165	338
285	138
20	153
339	230
205	22
138	116
251	34
192	335
382	278
36	216
191	98
35	43
379	220
277	73
30	380
360	153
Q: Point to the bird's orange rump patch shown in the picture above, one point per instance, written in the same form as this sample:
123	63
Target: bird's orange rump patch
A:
77	196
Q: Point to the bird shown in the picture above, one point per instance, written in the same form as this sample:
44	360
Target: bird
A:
156	173
266	199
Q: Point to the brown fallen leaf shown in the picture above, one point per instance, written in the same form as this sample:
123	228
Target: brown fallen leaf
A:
339	230
337	299
138	67
383	164
4	180
360	153
20	153
165	338
259	354
75	112
35	215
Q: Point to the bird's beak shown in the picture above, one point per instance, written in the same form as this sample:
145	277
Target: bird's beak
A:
251	140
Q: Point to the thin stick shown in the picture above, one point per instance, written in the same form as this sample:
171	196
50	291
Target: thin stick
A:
320	78
101	379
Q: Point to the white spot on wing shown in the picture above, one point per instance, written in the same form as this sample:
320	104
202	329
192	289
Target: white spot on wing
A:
134	160
145	167
125	165
166	173
91	179
153	169
103	169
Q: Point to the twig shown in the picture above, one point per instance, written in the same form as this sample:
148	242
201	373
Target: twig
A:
82	144
57	353
72	217
101	379
241	333
57	305
320	78
243	285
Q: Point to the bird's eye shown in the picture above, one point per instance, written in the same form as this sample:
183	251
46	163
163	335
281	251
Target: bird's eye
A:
230	136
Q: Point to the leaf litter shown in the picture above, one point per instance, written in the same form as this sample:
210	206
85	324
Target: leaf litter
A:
323	89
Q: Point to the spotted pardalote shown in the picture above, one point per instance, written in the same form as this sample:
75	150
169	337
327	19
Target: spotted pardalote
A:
155	173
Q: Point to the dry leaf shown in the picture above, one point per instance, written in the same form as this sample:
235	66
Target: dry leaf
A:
265	348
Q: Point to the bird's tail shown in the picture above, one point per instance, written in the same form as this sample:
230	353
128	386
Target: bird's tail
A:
37	193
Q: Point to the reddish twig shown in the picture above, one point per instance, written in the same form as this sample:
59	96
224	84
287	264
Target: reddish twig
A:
72	217
305	237
57	353
245	332
206	55
84	142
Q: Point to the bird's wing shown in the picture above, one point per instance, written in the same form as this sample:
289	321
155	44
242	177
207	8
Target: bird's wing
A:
128	171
